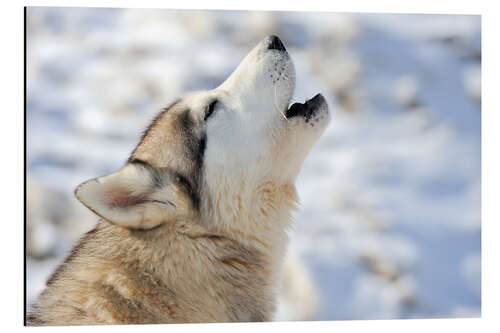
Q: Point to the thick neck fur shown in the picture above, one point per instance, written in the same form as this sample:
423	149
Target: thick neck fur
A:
259	215
222	270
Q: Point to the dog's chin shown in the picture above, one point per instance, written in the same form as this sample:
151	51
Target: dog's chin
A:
313	108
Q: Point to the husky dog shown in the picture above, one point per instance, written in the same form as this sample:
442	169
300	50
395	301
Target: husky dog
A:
193	227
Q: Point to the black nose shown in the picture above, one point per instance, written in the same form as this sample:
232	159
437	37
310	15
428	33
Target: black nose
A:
275	44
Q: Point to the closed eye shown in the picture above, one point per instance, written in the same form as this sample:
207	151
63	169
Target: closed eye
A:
209	110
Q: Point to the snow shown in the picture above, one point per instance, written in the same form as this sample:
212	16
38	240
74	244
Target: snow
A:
389	224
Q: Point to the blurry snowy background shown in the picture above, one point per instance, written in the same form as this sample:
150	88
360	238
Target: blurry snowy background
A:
389	225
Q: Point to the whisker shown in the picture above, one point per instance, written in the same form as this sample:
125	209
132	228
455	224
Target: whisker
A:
276	106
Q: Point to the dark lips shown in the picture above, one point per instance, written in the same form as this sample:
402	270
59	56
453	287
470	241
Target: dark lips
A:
307	109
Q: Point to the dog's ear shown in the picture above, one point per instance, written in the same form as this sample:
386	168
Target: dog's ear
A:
137	196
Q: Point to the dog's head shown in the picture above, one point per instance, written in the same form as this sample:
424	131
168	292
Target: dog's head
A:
242	132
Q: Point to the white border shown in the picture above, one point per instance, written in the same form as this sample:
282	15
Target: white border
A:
11	196
379	6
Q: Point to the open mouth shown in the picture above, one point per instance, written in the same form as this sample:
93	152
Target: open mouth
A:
307	109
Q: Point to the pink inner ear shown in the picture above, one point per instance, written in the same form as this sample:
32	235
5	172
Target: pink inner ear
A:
121	198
